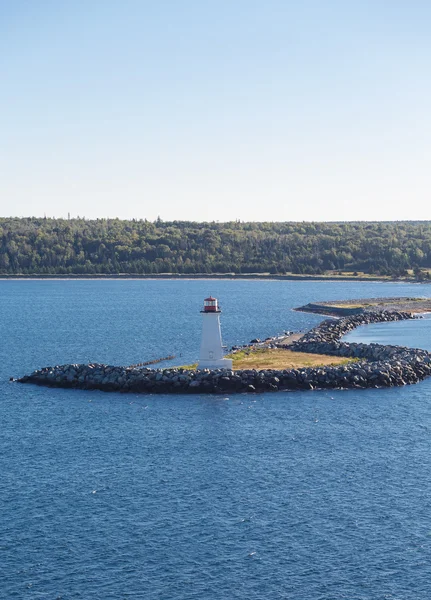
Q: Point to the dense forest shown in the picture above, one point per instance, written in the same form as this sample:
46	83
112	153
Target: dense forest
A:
109	246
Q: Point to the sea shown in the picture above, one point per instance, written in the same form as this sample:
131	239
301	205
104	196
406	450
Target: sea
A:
310	495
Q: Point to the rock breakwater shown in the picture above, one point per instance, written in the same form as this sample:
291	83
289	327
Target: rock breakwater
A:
345	308
373	365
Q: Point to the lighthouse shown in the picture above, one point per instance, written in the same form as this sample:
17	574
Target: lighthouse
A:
211	355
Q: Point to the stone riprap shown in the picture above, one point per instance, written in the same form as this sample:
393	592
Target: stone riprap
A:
345	308
332	330
375	366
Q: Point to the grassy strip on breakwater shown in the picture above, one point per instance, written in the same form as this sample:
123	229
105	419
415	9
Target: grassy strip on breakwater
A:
280	358
276	358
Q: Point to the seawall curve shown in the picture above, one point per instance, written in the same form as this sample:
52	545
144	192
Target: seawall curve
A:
376	365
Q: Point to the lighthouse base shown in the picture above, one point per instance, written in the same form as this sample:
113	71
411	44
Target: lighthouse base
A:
221	363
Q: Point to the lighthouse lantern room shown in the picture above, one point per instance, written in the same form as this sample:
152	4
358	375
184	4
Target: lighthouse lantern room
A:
211	354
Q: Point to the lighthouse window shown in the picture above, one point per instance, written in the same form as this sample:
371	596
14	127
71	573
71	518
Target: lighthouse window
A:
211	355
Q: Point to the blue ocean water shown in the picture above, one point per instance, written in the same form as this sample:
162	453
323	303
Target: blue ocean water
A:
309	495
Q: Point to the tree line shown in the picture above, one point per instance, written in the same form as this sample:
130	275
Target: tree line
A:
109	246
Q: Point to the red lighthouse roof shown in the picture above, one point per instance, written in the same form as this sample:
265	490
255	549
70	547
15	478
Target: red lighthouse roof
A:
211	305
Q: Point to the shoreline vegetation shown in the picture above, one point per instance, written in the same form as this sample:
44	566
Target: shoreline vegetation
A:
238	276
113	248
249	276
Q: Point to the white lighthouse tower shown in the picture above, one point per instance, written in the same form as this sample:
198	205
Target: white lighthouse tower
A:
211	355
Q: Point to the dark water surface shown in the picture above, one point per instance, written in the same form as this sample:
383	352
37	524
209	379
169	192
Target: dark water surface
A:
307	495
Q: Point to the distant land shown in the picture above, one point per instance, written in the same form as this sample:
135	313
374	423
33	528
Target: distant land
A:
46	247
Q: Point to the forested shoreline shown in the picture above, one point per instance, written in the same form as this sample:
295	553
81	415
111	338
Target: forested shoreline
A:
44	246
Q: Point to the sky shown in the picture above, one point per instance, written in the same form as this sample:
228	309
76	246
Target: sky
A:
275	110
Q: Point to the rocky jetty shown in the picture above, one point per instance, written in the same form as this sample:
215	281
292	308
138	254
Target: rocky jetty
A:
345	308
375	365
332	330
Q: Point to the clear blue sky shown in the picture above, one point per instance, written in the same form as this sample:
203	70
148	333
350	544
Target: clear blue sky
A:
196	109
